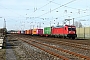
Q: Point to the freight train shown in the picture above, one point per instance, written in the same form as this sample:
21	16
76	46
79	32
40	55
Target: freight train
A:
67	31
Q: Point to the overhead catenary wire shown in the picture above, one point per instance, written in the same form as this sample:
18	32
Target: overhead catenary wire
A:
51	10
72	8
68	6
27	9
41	7
75	9
57	7
46	5
82	16
10	9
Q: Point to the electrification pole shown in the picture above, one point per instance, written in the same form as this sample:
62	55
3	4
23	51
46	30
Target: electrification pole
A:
4	23
68	20
73	21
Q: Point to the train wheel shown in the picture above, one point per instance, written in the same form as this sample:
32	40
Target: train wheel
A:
69	37
73	38
64	37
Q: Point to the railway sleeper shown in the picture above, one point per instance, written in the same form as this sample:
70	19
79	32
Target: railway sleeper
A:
48	51
72	53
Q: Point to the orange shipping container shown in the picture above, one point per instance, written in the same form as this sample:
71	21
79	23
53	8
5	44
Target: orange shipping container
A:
34	31
28	31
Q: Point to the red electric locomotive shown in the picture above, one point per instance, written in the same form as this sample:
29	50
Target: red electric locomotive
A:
65	31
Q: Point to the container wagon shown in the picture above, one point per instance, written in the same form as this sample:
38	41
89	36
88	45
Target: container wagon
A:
37	31
40	32
29	32
47	31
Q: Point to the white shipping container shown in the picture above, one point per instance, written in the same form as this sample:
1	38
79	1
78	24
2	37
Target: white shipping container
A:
1	40
0	47
1	44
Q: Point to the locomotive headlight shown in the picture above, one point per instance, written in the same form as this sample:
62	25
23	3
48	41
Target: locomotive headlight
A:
71	32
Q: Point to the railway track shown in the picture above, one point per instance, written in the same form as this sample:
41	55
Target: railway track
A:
52	44
62	42
76	45
55	48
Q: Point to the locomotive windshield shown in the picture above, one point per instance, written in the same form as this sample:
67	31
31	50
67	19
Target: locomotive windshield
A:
71	29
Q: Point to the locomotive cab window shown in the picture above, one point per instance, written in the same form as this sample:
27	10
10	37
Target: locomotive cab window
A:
71	29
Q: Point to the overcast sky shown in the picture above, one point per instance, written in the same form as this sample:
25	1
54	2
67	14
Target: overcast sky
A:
24	14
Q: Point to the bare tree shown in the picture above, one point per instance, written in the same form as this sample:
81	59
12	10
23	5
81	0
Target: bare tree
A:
78	24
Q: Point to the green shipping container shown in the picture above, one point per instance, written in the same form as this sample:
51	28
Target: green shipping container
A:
47	30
